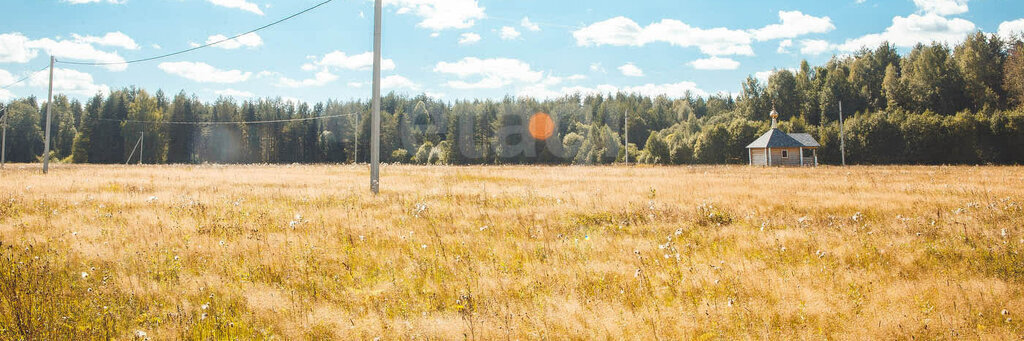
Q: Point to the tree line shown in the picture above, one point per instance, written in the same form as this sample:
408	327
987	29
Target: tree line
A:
935	105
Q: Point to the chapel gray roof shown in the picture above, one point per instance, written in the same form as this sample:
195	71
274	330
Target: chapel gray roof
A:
806	139
775	138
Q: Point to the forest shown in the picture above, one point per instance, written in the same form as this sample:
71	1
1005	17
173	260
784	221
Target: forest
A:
935	104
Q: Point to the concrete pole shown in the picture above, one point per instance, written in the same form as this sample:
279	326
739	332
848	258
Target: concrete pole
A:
842	134
142	145
49	106
3	145
625	119
355	154
375	120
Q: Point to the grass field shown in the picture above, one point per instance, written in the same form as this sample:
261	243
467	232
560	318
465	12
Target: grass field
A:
304	252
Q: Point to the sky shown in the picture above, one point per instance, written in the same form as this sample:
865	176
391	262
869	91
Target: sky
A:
459	49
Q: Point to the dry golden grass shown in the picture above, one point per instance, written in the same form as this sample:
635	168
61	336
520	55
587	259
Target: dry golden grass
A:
304	252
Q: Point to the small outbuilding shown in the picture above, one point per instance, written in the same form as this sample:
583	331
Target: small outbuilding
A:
776	148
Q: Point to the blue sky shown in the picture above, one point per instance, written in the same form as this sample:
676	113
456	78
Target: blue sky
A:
456	49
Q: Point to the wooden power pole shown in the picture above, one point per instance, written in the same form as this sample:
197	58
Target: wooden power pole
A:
625	120
3	145
375	120
842	135
49	106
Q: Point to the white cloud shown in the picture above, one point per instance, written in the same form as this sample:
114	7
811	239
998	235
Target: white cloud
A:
239	4
439	15
509	33
942	7
115	39
622	31
14	48
6	78
398	82
764	76
469	38
234	93
597	67
631	70
251	40
814	47
914	29
529	25
78	2
363	61
784	46
80	51
794	24
715	63
320	79
355	85
204	73
1007	29
576	77
69	82
492	73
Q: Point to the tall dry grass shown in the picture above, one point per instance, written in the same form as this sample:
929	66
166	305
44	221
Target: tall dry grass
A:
304	252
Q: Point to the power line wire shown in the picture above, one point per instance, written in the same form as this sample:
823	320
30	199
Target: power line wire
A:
25	78
226	123
201	46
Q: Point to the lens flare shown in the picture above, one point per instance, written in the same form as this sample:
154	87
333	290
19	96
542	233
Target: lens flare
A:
541	126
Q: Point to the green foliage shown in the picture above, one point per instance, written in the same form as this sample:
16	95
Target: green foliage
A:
656	151
423	154
400	156
936	105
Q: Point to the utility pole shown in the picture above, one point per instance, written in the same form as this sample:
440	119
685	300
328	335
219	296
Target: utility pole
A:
625	120
375	120
3	145
842	134
49	106
355	156
142	145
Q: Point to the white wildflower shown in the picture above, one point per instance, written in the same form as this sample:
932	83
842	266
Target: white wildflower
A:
140	334
152	199
85	275
485	227
222	243
857	217
205	306
1004	233
424	246
419	209
1005	312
